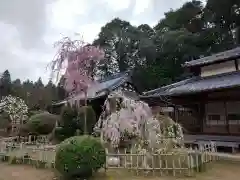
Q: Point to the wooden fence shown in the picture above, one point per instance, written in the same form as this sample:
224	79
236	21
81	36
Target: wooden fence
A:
36	155
31	139
184	162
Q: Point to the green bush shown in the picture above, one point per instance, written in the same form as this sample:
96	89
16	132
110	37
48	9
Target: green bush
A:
24	130
42	123
34	112
73	119
91	119
68	114
68	123
4	120
79	157
62	133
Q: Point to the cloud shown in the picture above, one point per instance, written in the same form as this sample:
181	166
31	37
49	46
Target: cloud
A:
22	26
116	6
30	27
28	16
62	14
22	63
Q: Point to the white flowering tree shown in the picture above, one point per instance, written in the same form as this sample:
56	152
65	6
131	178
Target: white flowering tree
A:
16	109
126	119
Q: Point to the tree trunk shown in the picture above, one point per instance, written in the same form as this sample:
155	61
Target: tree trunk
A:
85	114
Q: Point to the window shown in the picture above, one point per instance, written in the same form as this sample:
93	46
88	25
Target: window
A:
218	113
233	112
214	119
234	118
215	113
220	68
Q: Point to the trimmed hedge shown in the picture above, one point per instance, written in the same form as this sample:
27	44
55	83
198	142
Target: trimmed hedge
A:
4	120
68	123
42	123
73	122
80	157
91	119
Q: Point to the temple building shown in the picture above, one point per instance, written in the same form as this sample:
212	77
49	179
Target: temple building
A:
207	104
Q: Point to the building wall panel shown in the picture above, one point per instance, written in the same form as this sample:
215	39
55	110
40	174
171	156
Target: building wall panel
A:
220	68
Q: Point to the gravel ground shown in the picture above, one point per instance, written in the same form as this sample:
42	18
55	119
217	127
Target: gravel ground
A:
220	171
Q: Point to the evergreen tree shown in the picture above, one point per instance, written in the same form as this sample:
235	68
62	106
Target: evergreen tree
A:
5	84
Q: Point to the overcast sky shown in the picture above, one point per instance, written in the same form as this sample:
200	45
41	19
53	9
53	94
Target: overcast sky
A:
30	27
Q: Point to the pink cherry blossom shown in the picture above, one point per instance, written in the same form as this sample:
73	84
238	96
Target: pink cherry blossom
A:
81	60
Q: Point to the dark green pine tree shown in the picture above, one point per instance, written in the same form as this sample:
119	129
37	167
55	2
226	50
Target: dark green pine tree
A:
5	84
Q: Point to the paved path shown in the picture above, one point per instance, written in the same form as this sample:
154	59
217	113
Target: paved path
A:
226	156
201	137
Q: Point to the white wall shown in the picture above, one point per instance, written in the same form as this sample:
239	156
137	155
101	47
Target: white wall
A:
220	68
238	63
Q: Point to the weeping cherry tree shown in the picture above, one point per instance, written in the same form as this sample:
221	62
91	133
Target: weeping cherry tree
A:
79	60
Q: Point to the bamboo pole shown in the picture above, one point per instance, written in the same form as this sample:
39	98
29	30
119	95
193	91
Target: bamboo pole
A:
85	113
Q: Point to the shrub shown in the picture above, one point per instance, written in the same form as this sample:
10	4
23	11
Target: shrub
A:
24	130
42	123
61	133
79	157
4	120
72	119
68	123
91	119
68	114
34	112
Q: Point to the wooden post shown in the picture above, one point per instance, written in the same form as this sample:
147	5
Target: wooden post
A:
176	114
174	170
153	163
226	117
202	116
85	114
107	157
131	159
189	164
125	158
29	139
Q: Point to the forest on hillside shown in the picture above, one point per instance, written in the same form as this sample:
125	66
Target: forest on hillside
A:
155	54
35	94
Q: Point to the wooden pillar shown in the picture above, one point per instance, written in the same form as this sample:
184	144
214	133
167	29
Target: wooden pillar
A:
226	117
175	114
201	117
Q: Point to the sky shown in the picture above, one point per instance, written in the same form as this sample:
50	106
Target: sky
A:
29	28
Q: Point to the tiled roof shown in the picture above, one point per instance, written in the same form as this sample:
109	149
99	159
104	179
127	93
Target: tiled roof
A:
233	53
164	90
102	87
198	84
